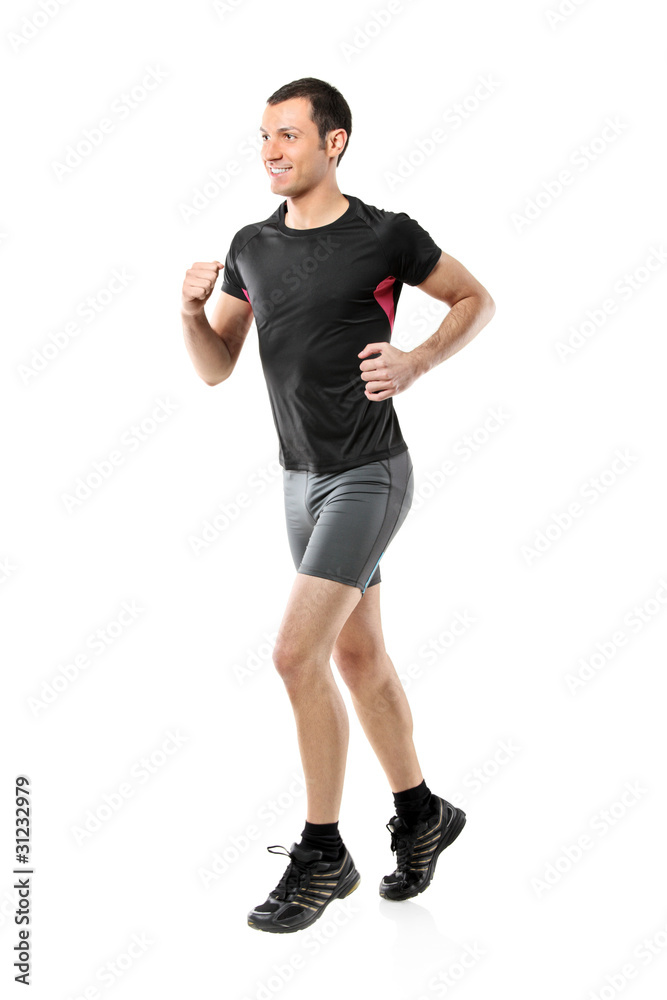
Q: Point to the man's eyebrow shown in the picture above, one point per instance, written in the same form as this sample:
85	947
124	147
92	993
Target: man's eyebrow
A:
285	128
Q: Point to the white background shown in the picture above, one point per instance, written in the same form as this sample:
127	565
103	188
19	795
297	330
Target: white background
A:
513	907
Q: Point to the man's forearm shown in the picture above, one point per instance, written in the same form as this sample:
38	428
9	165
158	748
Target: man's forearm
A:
463	322
209	353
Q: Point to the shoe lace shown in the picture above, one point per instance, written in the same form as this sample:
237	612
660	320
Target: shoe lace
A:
402	845
296	875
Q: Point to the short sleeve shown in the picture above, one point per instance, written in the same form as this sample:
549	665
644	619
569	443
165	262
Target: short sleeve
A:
232	282
411	252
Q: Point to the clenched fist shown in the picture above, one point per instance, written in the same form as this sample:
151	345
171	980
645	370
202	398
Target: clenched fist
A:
199	282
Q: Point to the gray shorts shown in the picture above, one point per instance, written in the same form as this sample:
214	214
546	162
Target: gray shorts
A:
340	524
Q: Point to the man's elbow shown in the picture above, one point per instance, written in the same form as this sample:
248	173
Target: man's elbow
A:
487	307
216	381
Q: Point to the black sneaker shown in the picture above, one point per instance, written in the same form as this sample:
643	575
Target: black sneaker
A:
417	848
306	888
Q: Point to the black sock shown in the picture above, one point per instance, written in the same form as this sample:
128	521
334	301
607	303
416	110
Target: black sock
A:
413	804
325	837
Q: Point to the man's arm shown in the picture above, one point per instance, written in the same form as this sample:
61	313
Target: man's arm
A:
471	308
213	347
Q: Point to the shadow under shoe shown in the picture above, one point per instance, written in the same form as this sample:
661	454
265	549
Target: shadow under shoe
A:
418	847
305	890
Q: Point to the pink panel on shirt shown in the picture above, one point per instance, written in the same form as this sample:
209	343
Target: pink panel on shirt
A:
245	292
385	298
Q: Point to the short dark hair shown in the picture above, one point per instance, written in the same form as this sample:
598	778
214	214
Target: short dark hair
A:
329	109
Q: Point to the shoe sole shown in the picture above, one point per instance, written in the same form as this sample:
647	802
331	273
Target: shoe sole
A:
347	886
457	823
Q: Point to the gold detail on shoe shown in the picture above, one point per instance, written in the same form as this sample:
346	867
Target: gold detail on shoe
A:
424	844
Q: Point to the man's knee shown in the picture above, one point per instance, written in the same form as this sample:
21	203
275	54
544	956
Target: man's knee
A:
285	658
293	661
361	664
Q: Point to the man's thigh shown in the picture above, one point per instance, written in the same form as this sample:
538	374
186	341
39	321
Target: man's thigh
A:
361	639
315	613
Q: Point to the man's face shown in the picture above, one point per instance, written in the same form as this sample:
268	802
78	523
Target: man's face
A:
290	140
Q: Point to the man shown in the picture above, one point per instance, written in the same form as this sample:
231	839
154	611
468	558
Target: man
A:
322	278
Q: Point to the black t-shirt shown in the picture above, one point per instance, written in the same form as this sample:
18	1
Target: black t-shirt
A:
318	297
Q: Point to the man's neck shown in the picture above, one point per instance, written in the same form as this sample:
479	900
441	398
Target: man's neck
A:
314	209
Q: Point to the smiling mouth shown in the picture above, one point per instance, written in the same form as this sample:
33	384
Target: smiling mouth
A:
277	171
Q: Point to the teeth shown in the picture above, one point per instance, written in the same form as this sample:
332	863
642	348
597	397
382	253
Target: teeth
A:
278	170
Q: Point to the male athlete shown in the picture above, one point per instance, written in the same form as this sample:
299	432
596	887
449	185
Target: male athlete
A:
322	277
